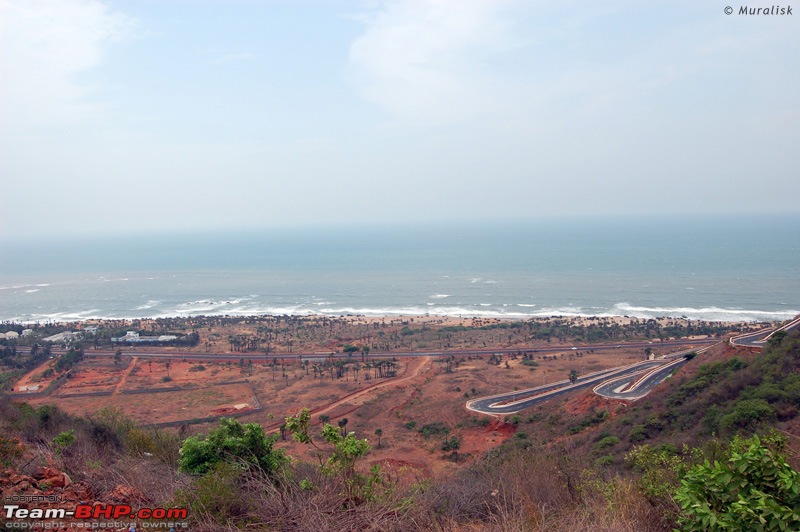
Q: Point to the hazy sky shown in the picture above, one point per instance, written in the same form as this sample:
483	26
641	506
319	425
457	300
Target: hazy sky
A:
120	116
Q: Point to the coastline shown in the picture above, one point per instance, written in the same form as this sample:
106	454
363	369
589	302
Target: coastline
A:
691	315
215	323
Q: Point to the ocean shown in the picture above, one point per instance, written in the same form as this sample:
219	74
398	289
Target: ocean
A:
703	268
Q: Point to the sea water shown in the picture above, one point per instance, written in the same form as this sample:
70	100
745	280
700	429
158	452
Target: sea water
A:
711	268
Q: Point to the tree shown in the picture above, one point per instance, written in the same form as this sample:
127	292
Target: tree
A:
343	424
346	450
324	418
379	433
118	356
573	376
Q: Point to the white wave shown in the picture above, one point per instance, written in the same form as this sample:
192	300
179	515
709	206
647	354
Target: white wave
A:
207	305
703	313
435	305
31	290
35	287
92	314
474	280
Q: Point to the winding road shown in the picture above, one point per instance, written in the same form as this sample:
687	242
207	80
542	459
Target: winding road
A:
513	402
636	386
759	338
627	383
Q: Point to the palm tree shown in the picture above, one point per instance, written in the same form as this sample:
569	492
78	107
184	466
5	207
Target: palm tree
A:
379	433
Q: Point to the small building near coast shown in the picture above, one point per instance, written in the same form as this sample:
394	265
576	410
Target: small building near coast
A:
133	337
65	337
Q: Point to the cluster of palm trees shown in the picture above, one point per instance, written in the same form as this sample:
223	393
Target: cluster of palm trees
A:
243	342
337	369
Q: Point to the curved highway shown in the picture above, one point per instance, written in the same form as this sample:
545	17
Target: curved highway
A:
513	402
625	382
633	387
759	338
636	386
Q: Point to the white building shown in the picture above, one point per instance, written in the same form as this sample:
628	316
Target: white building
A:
66	336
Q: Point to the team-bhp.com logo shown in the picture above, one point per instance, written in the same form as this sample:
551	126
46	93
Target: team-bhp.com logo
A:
18	517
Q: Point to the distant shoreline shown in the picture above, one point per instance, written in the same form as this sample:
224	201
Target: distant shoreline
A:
440	319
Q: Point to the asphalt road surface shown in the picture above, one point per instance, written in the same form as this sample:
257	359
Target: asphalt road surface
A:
759	338
633	387
513	402
627	383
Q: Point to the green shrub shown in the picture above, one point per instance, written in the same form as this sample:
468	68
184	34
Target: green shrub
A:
661	470
747	414
608	441
64	440
637	434
514	420
604	461
434	429
451	445
138	442
232	442
756	489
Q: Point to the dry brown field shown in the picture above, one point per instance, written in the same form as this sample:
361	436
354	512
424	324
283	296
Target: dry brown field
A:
426	392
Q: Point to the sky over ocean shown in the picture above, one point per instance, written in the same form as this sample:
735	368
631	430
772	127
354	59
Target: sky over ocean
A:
120	116
712	268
